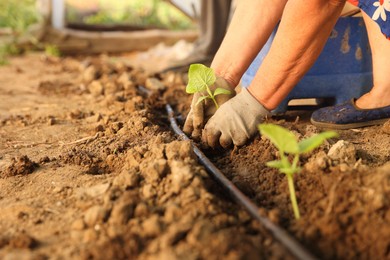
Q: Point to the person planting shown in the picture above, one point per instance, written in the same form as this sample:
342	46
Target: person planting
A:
303	31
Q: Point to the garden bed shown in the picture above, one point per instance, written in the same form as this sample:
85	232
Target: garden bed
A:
89	168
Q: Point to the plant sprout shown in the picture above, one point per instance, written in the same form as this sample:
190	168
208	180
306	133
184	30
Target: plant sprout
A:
286	142
200	79
52	50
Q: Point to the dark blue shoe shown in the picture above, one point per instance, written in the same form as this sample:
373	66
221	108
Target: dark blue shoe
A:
347	115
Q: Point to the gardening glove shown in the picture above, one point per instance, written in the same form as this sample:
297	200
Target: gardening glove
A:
200	113
235	122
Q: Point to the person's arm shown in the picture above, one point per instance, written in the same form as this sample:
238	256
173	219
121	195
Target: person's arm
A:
302	34
252	24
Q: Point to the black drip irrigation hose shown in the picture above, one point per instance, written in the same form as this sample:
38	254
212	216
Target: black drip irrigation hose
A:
282	236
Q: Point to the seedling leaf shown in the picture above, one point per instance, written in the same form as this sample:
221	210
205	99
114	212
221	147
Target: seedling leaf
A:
201	99
283	139
199	78
283	168
219	91
309	144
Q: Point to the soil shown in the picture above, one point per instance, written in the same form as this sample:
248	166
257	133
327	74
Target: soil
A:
89	169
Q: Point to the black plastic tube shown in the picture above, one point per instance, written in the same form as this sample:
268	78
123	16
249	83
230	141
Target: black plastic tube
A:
278	233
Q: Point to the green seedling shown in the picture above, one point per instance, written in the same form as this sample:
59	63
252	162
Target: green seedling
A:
286	142
52	50
200	79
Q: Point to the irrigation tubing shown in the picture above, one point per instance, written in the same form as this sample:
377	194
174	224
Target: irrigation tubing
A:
282	236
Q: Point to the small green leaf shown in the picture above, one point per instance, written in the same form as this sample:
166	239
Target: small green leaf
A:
201	99
220	91
284	167
283	139
199	77
275	164
313	142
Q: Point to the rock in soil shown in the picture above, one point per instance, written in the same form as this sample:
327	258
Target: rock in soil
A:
343	151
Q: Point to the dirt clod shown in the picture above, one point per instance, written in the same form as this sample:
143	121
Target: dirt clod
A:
89	74
153	171
181	175
151	226
343	151
78	224
318	162
123	209
179	150
95	215
386	127
20	166
127	179
22	241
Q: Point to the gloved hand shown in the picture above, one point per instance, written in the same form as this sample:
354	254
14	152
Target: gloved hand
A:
200	113
235	122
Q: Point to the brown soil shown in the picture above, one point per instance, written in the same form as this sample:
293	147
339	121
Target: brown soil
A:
89	169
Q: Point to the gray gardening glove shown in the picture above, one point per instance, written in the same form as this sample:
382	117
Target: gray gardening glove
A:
235	122
201	113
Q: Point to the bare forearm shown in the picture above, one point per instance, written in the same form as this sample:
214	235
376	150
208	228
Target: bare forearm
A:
302	34
250	28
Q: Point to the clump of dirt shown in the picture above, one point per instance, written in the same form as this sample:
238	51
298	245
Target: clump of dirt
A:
20	166
20	241
18	246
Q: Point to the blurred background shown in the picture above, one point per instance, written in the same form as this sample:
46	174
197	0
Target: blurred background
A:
135	13
96	26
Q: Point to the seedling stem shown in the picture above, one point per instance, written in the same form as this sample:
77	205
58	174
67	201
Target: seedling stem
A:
293	198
